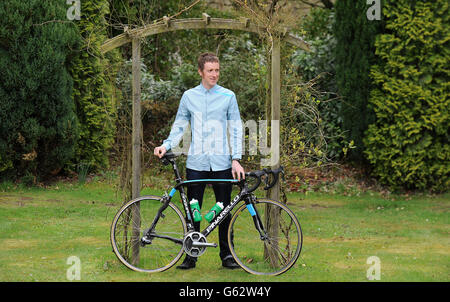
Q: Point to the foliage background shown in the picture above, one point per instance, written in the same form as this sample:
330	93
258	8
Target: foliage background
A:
93	93
354	54
408	144
38	125
65	107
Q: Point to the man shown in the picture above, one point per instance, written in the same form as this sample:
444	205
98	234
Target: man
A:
213	113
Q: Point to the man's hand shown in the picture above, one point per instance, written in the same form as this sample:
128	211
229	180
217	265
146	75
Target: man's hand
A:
160	151
237	170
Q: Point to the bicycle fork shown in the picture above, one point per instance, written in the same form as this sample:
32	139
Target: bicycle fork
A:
256	218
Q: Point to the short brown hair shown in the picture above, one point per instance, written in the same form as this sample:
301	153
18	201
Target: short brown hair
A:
206	57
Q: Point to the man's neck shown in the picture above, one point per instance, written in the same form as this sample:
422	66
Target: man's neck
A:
206	86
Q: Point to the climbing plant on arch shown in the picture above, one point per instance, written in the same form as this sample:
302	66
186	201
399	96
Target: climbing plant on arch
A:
206	22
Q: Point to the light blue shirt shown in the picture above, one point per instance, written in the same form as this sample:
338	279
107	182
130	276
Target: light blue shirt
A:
216	128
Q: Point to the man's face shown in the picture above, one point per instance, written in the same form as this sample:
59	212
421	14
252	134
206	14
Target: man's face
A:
210	74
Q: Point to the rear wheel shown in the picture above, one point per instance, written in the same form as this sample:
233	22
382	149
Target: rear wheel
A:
161	250
277	250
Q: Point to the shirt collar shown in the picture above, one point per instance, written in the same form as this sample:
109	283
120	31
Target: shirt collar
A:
203	89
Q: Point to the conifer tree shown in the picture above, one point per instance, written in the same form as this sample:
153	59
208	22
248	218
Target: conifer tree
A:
408	143
92	93
38	126
354	55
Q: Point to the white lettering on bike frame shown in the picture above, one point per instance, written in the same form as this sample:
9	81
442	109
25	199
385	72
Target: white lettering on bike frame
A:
222	214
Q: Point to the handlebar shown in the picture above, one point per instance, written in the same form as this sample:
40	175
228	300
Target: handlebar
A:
168	158
267	173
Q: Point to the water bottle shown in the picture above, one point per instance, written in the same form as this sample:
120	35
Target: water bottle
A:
214	211
195	207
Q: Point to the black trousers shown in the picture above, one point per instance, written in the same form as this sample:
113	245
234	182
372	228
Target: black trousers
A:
222	191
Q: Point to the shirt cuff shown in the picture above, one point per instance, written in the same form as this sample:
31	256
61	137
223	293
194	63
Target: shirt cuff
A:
166	145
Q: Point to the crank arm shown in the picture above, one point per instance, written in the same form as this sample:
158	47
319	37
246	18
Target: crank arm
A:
204	244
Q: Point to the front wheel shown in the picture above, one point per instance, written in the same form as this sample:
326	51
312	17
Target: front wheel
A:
163	249
273	252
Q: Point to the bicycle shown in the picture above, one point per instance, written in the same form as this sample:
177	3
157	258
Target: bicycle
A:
150	233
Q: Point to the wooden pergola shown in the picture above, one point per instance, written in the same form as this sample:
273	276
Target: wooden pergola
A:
206	22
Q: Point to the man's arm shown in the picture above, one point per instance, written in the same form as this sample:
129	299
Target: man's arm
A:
176	133
235	132
235	129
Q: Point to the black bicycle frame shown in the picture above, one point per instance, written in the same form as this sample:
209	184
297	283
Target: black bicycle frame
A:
217	219
244	194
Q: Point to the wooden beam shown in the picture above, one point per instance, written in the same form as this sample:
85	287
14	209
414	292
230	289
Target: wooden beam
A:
272	216
193	23
297	41
136	118
245	21
275	113
136	147
206	18
166	21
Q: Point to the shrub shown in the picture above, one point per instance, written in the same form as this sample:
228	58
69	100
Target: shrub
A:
318	66
354	54
408	144
38	127
92	92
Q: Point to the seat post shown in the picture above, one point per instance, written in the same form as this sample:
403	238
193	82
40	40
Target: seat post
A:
177	173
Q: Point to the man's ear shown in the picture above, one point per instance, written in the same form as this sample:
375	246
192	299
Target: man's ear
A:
200	72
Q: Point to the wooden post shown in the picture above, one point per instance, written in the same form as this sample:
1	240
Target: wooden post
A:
275	113
136	147
272	217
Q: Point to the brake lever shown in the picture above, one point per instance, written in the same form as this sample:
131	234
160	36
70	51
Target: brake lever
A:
275	174
267	178
266	181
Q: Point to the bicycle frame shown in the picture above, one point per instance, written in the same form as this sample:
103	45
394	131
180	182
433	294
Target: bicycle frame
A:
218	219
242	195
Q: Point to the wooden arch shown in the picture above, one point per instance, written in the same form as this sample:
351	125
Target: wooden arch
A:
206	22
193	23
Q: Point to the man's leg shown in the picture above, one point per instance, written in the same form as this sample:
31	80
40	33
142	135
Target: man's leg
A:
194	191
222	192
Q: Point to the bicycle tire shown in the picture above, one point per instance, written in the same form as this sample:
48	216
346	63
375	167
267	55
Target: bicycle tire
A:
274	255
162	253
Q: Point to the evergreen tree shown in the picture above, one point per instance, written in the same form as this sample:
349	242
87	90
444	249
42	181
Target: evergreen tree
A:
354	54
92	91
408	144
38	126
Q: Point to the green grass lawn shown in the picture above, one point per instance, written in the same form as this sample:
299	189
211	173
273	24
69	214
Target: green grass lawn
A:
40	228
